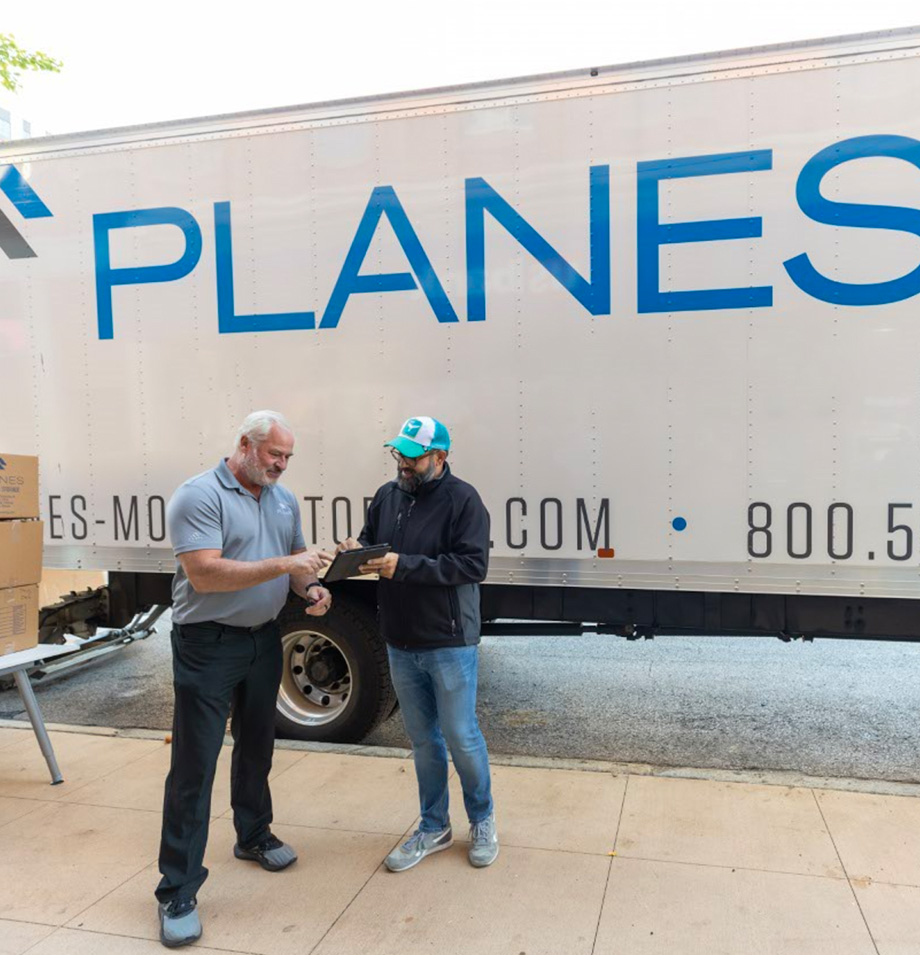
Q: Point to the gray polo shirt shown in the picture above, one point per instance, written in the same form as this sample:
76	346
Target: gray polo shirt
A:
213	511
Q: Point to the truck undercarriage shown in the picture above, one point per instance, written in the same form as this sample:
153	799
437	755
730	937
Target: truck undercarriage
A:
336	686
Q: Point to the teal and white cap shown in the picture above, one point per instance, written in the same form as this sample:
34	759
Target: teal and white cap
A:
418	435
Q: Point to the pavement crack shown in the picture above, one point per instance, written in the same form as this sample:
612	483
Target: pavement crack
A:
843	867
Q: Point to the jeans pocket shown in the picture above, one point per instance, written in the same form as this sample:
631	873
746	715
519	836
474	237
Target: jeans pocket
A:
455	668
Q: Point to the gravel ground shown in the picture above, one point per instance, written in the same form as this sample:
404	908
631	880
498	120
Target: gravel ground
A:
836	708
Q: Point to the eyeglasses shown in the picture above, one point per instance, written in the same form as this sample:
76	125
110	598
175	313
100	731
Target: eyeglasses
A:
413	461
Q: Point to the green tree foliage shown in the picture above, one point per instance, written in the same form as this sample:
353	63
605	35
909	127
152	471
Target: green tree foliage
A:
14	60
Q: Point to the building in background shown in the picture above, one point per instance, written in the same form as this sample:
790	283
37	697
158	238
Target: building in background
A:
13	125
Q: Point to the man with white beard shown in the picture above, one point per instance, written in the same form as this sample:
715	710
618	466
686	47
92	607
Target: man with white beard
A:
237	538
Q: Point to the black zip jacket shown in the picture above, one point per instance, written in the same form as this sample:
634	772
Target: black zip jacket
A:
441	534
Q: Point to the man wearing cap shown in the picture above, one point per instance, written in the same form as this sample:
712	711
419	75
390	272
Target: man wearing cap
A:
428	598
237	538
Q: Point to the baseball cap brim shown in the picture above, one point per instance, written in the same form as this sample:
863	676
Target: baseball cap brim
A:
406	447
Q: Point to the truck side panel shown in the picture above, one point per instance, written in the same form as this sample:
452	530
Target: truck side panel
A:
670	321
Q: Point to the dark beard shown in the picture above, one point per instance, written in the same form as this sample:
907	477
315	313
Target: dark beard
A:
412	483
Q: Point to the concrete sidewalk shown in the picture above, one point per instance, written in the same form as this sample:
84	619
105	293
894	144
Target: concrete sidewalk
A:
592	861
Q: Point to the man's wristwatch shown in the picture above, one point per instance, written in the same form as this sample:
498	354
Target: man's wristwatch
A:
316	583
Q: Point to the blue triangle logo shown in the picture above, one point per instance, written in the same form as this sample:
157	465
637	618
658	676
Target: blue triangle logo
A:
27	203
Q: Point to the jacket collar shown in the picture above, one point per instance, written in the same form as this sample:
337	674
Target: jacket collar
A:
432	486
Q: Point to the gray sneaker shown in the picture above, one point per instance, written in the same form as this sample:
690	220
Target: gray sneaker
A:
416	847
179	922
483	842
271	853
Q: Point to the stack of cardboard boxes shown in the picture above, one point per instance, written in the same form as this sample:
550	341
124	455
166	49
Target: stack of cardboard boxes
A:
20	552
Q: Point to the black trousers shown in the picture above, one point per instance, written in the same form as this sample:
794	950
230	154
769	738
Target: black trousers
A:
217	671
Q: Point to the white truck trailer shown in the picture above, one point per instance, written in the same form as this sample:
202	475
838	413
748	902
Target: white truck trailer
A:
668	310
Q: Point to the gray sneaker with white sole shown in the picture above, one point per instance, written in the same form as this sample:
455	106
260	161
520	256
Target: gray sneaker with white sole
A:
483	842
416	847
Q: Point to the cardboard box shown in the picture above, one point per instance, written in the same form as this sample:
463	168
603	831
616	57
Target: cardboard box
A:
56	584
18	486
20	553
18	618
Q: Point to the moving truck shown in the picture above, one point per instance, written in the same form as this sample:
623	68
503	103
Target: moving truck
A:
670	312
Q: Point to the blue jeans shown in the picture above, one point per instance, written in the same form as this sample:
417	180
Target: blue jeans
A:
437	697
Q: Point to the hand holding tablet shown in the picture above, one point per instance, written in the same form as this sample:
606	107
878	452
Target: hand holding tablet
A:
347	563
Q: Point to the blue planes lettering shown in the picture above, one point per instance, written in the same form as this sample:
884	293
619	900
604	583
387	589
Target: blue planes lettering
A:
592	292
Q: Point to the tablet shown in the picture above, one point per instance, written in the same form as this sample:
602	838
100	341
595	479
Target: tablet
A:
346	563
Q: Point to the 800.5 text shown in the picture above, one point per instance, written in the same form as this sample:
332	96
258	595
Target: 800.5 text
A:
803	530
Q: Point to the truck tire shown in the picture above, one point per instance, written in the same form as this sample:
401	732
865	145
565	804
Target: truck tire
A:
335	682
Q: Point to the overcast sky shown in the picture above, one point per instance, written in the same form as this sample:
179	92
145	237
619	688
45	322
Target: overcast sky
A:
127	61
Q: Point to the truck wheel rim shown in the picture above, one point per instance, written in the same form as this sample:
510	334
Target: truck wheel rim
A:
317	681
